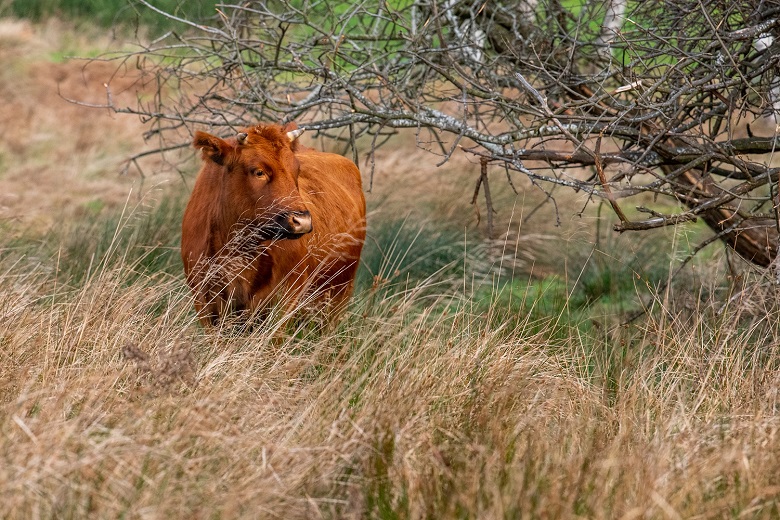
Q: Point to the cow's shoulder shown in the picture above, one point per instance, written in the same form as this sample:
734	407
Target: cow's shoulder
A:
330	166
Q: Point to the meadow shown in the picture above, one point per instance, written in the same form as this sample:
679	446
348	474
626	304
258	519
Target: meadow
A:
558	371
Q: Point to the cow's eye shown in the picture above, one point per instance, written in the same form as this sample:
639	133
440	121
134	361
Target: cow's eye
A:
259	173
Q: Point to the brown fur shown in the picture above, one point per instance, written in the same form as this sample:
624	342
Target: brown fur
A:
229	265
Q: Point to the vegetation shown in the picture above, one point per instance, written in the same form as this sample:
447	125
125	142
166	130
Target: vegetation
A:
470	378
421	402
112	13
618	99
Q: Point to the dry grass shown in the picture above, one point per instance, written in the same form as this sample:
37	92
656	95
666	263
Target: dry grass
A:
115	403
58	160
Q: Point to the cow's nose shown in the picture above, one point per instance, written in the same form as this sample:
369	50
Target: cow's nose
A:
300	222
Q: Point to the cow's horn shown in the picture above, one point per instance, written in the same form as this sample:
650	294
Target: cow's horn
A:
292	135
241	137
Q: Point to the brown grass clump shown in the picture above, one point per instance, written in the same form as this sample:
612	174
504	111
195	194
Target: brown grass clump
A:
176	366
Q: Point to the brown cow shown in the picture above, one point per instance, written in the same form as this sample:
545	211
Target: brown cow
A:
269	220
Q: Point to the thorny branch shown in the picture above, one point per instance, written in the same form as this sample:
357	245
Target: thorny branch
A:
646	100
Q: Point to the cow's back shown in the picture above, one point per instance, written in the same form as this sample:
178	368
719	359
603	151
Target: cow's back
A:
196	230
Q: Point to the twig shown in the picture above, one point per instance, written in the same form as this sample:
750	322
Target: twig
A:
488	201
605	184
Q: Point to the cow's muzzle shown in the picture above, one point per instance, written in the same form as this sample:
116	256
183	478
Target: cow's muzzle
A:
298	222
288	224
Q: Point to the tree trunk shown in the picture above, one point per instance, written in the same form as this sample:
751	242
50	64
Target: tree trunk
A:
753	238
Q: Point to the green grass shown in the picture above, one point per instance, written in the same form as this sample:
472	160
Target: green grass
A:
114	13
402	251
612	276
145	238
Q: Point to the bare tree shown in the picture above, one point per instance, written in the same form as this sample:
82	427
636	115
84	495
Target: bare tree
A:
675	99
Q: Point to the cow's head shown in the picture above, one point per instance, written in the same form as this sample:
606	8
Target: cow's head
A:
259	185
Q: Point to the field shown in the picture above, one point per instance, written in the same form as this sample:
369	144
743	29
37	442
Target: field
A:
550	373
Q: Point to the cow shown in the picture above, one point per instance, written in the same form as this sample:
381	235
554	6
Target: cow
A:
271	222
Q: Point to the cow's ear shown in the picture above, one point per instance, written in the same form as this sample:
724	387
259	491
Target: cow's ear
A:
213	148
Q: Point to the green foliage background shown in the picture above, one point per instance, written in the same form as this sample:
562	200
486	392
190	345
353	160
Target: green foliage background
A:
112	13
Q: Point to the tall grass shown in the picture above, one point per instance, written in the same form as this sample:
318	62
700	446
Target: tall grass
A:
401	251
116	404
145	236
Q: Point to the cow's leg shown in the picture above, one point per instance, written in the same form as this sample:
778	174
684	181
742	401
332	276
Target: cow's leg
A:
207	310
340	301
261	302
